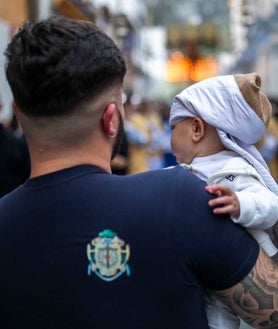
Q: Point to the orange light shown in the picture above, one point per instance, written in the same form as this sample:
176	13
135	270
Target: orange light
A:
180	68
205	67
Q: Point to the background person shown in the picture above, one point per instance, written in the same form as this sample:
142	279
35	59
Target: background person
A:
14	160
268	146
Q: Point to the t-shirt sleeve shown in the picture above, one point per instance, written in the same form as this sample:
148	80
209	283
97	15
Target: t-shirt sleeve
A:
220	252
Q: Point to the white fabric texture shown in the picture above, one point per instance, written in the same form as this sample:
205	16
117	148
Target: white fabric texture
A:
258	205
220	316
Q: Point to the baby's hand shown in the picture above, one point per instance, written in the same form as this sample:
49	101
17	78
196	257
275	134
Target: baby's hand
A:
226	201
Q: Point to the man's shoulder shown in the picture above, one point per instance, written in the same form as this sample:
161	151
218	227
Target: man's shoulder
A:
10	203
168	173
10	198
172	180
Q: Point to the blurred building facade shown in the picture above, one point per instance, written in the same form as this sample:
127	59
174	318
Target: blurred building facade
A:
175	53
254	36
121	20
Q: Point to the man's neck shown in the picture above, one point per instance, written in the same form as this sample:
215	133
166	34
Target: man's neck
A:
46	166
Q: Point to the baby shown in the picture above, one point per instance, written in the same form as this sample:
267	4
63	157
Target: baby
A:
216	123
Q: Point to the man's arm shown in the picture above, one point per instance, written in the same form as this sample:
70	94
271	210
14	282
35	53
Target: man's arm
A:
255	298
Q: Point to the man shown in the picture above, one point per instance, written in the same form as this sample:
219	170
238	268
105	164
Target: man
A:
81	248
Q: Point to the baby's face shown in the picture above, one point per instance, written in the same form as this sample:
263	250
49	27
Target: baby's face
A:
183	147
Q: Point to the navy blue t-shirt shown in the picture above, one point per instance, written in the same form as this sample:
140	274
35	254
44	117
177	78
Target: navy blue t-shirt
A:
80	248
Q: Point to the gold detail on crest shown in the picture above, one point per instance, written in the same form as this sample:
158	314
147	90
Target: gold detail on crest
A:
108	256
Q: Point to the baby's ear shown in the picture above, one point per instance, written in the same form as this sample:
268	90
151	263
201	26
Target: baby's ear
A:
198	129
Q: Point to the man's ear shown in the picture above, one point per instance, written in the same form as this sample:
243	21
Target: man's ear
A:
198	129
107	120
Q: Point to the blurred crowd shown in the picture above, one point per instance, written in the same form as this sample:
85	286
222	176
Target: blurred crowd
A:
268	144
145	146
146	141
14	155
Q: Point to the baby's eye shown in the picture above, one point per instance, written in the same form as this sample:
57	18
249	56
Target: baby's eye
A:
172	127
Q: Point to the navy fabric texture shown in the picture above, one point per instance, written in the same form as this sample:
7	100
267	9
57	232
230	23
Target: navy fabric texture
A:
177	247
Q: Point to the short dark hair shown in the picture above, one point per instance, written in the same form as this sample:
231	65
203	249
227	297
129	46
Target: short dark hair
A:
55	63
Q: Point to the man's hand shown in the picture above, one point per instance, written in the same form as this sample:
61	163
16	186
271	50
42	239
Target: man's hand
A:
226	201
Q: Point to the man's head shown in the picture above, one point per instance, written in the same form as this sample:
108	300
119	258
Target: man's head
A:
55	64
64	74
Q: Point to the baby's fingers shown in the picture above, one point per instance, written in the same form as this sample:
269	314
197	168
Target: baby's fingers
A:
220	201
219	189
213	189
226	209
225	205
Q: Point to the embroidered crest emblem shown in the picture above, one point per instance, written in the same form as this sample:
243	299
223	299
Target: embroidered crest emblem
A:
108	256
